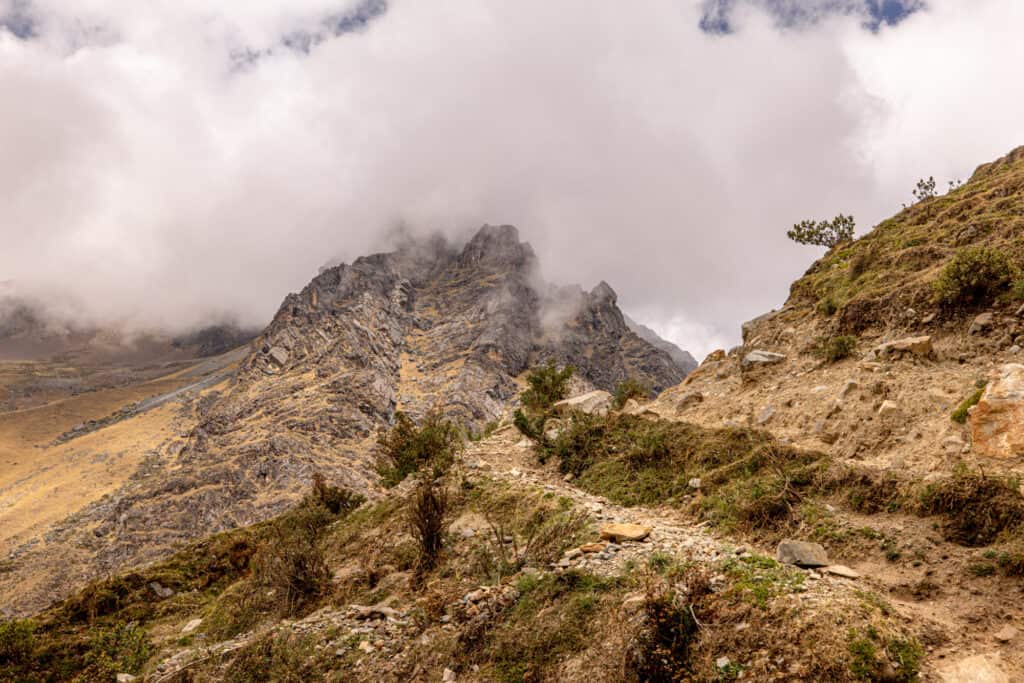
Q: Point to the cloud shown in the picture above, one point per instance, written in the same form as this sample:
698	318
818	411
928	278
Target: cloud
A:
164	163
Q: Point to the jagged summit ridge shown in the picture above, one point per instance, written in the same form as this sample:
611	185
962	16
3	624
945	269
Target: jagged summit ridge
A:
429	326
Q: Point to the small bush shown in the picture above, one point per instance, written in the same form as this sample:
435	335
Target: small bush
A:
661	649
289	563
407	448
835	349
121	648
978	508
827	307
428	520
630	388
973	277
335	499
276	658
823	233
961	413
548	385
860	262
17	641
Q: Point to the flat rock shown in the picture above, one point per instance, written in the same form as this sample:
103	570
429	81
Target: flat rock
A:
624	532
917	346
997	422
592	403
758	357
841	570
592	547
192	625
801	554
889	409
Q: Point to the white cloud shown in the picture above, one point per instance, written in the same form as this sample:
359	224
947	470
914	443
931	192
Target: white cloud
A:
149	176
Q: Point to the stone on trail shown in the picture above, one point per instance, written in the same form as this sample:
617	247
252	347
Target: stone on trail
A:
802	554
690	398
593	547
592	403
841	570
997	422
624	532
448	676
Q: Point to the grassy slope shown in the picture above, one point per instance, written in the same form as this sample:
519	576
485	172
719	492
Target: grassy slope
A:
875	278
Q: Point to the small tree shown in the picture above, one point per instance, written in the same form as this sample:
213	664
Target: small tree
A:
823	233
925	189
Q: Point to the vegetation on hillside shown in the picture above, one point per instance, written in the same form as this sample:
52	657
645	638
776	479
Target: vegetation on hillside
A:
407	447
874	280
823	233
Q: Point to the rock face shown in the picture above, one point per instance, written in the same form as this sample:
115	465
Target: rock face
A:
426	327
997	422
683	359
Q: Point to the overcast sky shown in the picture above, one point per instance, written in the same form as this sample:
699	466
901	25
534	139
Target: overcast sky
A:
162	162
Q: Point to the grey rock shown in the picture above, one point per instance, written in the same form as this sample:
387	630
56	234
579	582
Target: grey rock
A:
981	323
689	399
801	554
759	357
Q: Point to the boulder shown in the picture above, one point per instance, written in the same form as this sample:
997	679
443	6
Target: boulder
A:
688	400
624	532
758	357
279	356
916	346
592	403
997	422
801	554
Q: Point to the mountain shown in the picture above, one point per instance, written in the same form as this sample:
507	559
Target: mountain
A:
836	499
428	327
683	359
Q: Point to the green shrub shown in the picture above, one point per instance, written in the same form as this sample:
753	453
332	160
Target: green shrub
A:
827	307
121	648
548	385
407	448
974	277
17	641
630	388
961	412
823	233
835	349
335	499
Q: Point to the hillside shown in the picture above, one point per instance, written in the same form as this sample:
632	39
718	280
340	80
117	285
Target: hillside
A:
875	416
429	327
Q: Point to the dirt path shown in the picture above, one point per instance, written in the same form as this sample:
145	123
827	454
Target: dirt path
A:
959	613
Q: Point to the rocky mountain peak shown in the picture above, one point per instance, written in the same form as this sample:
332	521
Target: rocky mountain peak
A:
497	245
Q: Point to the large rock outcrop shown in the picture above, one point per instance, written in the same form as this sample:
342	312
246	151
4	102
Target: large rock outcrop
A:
427	327
997	421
